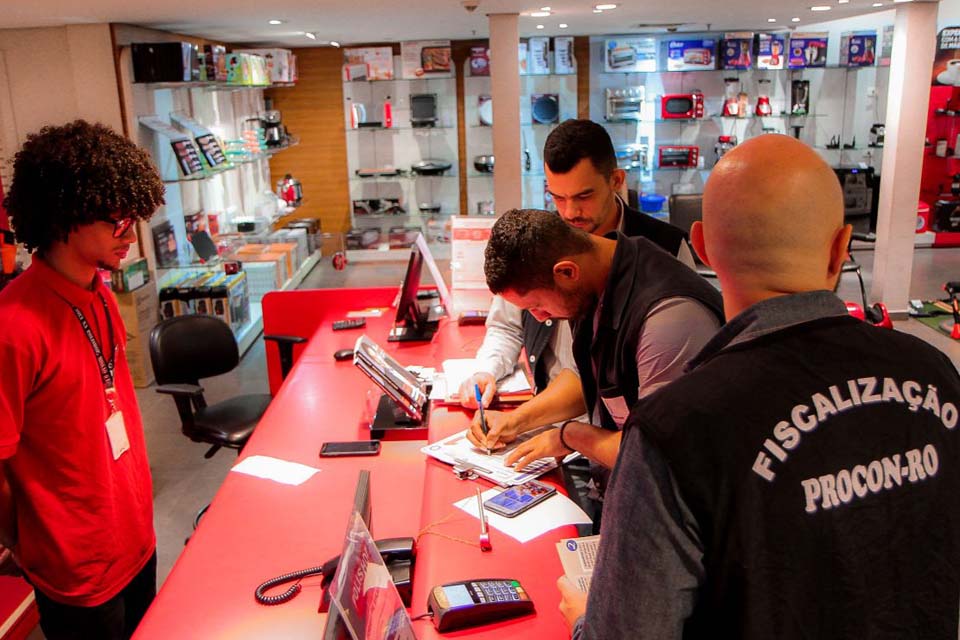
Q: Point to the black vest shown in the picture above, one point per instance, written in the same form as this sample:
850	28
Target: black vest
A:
824	477
536	335
641	276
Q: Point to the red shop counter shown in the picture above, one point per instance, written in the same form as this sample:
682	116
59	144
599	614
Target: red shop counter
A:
257	529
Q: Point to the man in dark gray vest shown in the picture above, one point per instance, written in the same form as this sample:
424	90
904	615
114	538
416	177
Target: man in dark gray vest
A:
802	480
640	315
584	181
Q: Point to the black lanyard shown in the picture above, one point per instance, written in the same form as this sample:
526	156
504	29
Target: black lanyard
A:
106	366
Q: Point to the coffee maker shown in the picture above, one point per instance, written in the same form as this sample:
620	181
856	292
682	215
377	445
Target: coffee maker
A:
273	130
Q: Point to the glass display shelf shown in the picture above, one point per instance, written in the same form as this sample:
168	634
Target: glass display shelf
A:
404	128
401	178
206	175
211	85
444	78
857	148
833	67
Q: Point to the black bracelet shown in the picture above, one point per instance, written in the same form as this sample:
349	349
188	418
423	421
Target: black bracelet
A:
562	441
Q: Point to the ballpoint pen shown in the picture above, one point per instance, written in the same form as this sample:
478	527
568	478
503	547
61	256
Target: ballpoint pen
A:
483	418
484	534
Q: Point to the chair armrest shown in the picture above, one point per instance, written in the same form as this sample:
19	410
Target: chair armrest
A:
285	339
864	237
181	389
285	347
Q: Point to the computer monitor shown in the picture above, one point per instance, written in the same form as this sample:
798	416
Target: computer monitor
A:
413	323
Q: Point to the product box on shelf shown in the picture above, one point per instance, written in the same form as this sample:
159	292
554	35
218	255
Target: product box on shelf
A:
289	251
807	50
165	62
139	310
564	62
279	62
311	227
479	61
246	69
296	237
214	63
300	238
629	55
771	51
695	54
130	276
858	49
737	50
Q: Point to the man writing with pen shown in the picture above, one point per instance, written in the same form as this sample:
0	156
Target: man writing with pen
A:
639	315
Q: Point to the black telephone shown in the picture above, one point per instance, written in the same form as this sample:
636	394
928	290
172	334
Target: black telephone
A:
472	602
399	554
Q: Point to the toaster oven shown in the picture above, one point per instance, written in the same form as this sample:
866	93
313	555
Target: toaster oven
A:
624	104
679	156
681	105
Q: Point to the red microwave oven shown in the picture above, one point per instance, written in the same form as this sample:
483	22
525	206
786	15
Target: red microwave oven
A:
681	105
679	156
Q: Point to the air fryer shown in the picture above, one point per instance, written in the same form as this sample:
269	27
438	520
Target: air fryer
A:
423	109
430	167
545	108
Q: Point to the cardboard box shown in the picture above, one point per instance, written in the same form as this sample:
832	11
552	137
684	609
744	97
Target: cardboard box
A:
696	54
289	249
140	313
858	49
130	276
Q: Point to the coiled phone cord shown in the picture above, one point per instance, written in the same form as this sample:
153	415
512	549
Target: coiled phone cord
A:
293	590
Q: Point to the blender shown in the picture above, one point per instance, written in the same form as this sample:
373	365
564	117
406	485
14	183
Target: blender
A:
763	99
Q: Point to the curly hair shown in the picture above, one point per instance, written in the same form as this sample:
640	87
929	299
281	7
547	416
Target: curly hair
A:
76	174
523	247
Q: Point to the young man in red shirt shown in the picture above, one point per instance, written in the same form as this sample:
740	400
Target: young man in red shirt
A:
76	504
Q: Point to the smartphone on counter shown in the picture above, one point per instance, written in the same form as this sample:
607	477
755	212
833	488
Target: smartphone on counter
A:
515	500
356	448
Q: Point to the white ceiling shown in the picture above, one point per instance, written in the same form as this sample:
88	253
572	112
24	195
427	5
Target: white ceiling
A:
386	20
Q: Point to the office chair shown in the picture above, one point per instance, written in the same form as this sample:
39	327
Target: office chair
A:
685	209
186	349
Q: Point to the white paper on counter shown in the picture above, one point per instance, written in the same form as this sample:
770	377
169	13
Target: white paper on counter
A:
282	471
556	511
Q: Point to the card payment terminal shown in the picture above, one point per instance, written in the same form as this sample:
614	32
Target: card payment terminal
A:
474	602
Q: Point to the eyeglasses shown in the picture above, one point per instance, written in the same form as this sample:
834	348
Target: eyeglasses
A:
121	226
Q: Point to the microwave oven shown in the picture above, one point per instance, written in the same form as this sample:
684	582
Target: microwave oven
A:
679	156
681	105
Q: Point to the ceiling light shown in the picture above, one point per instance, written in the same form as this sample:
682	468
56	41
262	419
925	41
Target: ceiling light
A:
896	1
274	21
771	19
563	25
605	7
820	7
312	36
544	8
598	10
334	43
794	19
539	14
539	26
877	4
843	1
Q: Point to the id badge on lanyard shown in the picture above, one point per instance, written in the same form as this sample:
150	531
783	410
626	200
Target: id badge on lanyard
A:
116	428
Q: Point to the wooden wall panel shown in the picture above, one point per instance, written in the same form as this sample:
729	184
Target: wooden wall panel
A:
313	112
581	52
